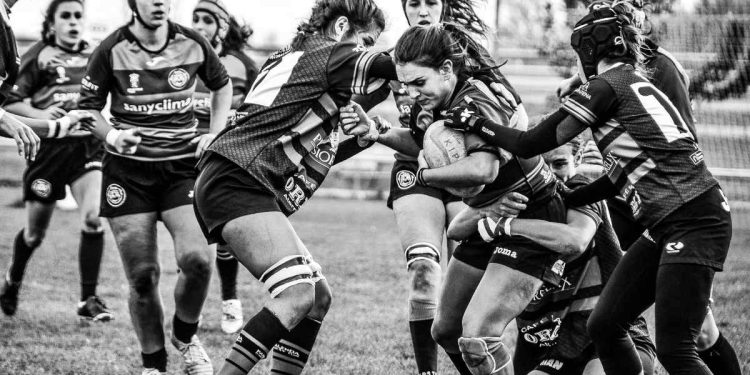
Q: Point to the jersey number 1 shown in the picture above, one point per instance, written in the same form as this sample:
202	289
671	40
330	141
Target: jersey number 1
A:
663	112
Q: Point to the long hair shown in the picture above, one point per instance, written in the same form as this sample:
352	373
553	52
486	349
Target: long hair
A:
48	37
632	35
460	12
431	46
236	38
362	14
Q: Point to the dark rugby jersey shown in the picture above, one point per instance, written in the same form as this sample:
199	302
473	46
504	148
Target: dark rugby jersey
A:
556	316
530	177
153	90
648	150
241	70
9	60
286	134
51	75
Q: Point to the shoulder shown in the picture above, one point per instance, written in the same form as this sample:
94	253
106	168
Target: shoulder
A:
239	61
112	39
32	54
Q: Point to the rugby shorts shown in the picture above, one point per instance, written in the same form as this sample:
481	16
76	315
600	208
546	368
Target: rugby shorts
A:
60	162
223	192
132	186
698	232
517	252
404	182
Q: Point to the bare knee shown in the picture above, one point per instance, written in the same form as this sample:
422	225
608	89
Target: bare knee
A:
446	334
425	277
144	279
293	304
92	222
195	265
34	237
323	300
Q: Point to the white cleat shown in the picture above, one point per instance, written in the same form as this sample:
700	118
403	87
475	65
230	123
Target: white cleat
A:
197	361
231	316
152	371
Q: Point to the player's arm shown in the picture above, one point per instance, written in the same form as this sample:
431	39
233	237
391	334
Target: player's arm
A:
476	168
570	238
465	223
597	191
354	121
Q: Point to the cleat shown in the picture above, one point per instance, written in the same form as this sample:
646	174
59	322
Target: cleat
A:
197	361
94	309
152	371
485	355
9	297
231	316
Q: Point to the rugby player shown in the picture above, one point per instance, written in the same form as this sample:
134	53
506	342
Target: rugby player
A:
552	337
212	20
263	168
651	158
149	67
668	75
48	87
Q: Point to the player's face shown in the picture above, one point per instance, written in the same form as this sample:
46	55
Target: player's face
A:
365	38
423	12
154	12
429	87
205	24
68	23
562	162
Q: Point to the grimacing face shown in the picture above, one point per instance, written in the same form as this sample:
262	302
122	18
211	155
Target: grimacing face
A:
68	24
428	87
423	12
562	162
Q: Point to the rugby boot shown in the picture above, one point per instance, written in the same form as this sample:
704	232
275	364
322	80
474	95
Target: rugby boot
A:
94	309
231	316
9	296
197	361
152	371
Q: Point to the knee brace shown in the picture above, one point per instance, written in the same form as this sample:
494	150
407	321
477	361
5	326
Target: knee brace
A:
287	272
484	355
421	251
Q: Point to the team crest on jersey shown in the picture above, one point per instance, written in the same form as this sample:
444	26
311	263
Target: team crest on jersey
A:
115	195
62	76
135	83
405	179
41	188
559	267
178	78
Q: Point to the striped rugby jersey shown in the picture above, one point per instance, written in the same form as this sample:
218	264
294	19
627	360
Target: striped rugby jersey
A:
649	153
242	72
153	90
530	177
286	133
9	60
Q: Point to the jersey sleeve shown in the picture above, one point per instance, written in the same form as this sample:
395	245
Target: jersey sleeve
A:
96	84
212	71
591	102
595	211
28	77
352	68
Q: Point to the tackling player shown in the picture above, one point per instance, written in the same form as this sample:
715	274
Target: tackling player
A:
651	158
47	88
263	168
149	67
212	20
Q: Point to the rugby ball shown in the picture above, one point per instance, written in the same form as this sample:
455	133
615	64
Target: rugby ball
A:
443	146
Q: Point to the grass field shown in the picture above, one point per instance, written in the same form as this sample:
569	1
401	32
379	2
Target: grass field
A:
365	332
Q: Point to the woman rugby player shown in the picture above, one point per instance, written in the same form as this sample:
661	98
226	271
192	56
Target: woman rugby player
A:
48	88
652	159
212	20
436	72
263	168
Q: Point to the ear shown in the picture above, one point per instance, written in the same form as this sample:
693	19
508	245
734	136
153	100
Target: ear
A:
340	27
446	69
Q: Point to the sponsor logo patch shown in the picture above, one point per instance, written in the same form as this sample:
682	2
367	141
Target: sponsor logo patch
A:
506	252
559	267
135	83
178	78
697	157
674	247
115	195
552	363
405	179
41	187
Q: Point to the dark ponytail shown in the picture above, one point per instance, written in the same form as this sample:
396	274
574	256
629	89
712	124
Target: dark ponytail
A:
431	46
48	37
236	38
362	14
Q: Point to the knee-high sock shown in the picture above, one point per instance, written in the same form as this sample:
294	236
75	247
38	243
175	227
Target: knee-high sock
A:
21	255
260	334
721	358
291	353
425	348
227	266
89	261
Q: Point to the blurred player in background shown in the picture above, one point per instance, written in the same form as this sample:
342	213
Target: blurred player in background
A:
651	158
212	20
263	168
150	68
48	88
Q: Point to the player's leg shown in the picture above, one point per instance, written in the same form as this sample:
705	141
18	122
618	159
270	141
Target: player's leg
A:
135	236
231	306
715	350
420	220
628	292
86	190
460	282
267	246
453	206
